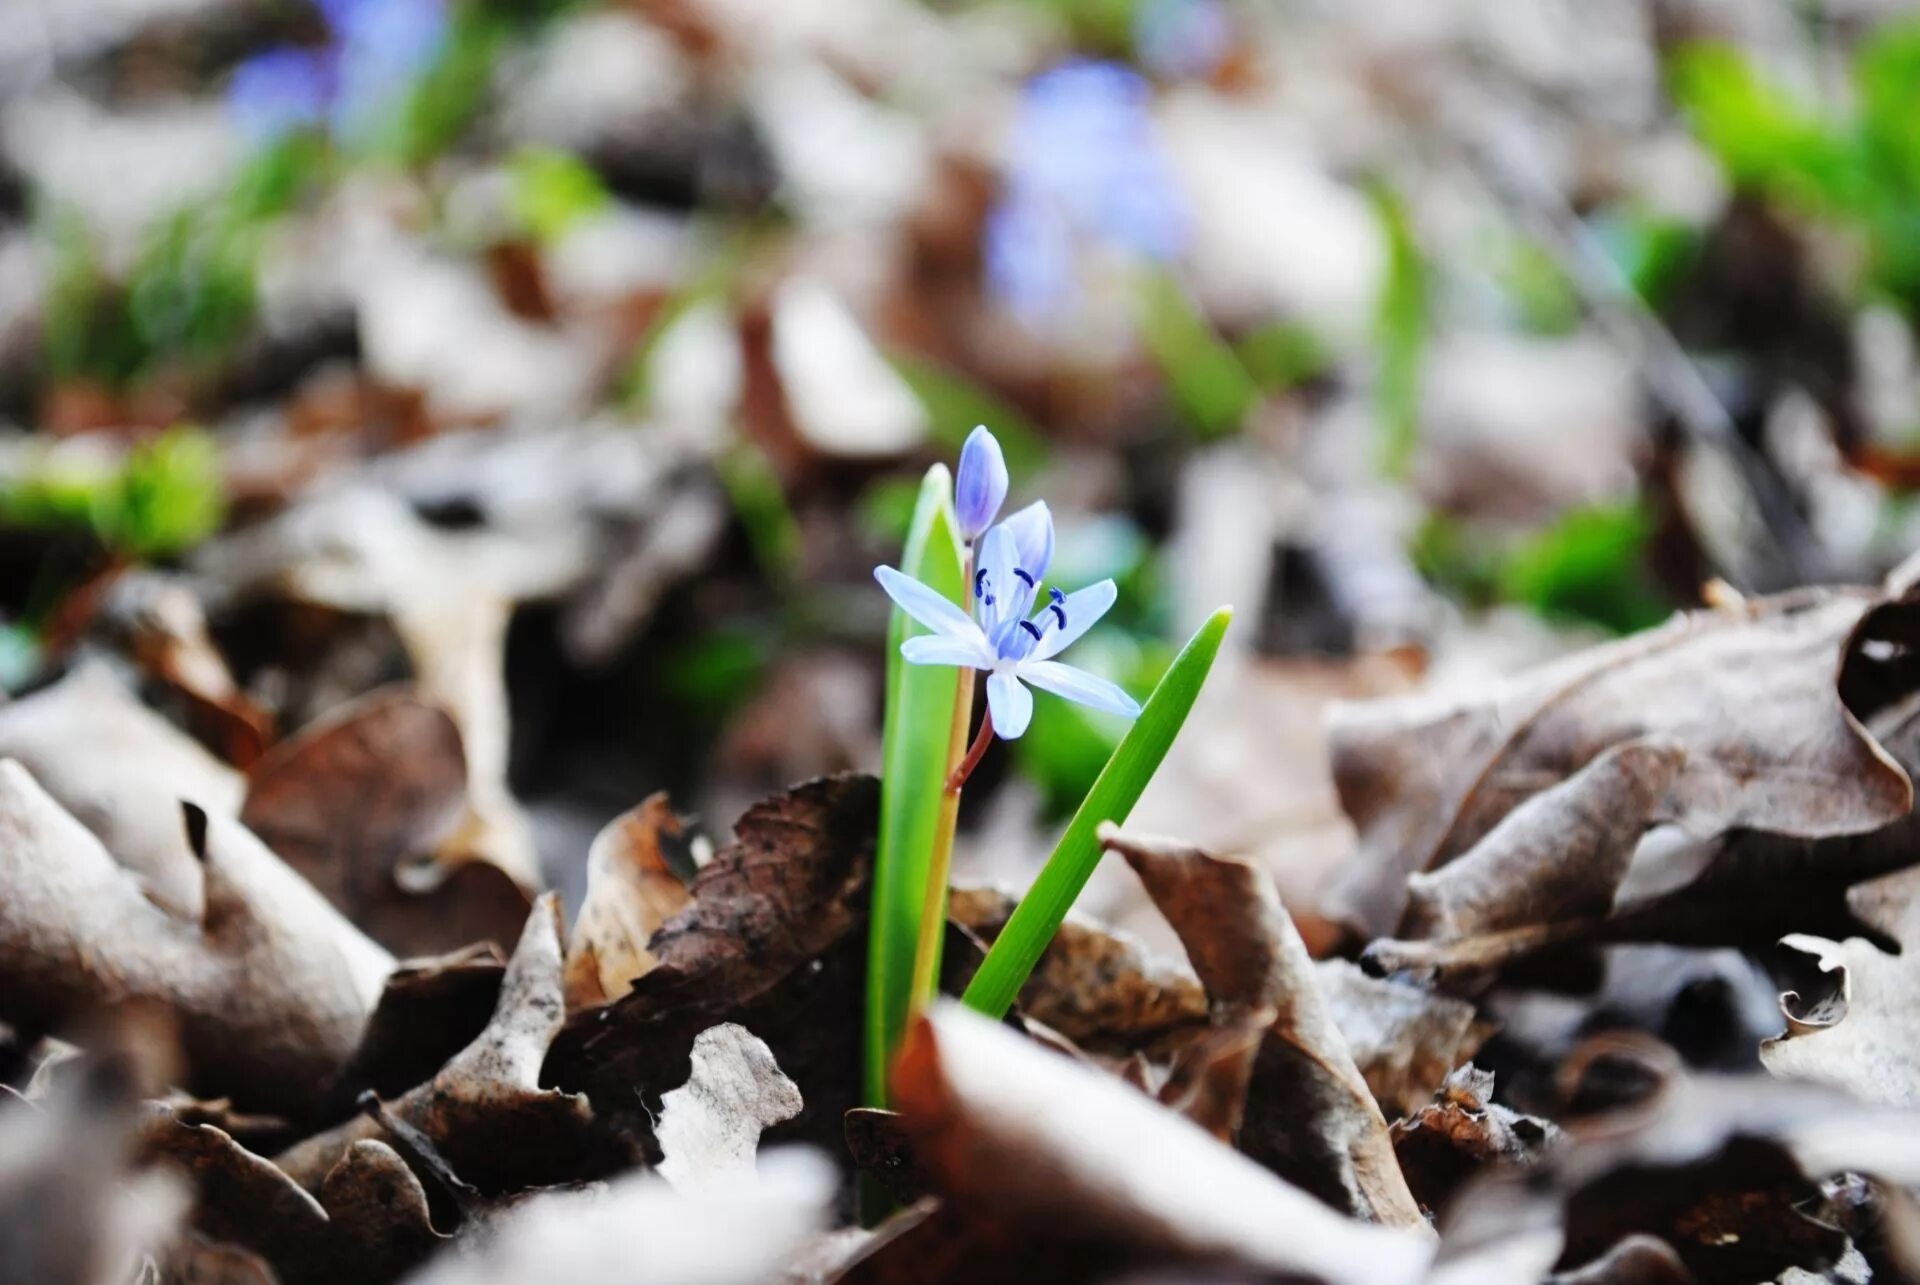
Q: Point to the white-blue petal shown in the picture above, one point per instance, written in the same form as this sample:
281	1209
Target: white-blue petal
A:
1079	686
1032	531
1083	607
928	606
935	649
1011	706
995	580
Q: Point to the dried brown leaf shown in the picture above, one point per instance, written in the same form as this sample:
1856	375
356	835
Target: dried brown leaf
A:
485	1110
1309	1114
1425	780
631	891
270	988
360	801
1040	1148
1101	989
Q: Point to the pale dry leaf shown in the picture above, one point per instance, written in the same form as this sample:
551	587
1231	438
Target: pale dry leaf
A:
639	1230
1425	779
486	1110
710	1127
1051	1150
631	891
1404	1038
1309	1115
123	771
1864	1034
270	988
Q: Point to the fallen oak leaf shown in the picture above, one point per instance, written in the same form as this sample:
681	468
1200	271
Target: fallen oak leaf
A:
1424	779
485	1109
1405	1039
772	940
270	989
429	1011
1546	872
1045	1150
631	892
359	801
1463	1132
710	1126
1309	1115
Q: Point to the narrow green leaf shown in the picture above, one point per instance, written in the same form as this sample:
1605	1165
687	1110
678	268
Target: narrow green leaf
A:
1210	386
1400	335
955	404
1121	783
919	715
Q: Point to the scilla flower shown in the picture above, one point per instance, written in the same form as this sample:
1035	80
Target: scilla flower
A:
1000	638
981	487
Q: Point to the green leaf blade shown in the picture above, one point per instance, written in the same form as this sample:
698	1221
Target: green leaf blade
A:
919	718
1120	785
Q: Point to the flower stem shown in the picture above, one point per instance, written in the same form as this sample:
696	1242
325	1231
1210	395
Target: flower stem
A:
933	911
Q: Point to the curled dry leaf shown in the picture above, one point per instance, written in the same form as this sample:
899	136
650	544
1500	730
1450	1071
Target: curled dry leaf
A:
1461	1133
1862	1032
429	1011
1425	780
640	1230
269	987
1405	1039
773	939
631	891
710	1126
1101	989
360	801
1309	1115
1048	1152
368	1219
1547	871
1723	1169
485	1110
123	771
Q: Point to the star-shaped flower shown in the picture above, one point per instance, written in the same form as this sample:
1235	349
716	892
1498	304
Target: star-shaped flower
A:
1000	638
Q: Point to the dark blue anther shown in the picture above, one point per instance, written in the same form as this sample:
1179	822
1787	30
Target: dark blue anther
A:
1024	576
979	583
1031	628
1053	592
1060	612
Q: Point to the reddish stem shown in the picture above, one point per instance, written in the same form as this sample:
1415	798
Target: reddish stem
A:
975	752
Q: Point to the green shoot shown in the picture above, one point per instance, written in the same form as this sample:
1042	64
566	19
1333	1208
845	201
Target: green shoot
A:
1121	783
914	748
1209	383
1400	332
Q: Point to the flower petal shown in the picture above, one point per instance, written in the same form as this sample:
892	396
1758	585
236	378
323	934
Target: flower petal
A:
981	487
1079	686
994	580
1032	531
1011	706
928	606
1083	608
932	649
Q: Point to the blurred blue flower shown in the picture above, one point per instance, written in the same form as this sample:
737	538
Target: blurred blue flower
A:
1182	38
374	51
1084	168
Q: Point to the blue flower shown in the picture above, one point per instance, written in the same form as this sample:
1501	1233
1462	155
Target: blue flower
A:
1000	638
1084	167
376	48
981	488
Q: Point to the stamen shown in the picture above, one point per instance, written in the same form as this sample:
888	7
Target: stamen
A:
979	583
1018	571
1060	612
1031	628
1053	592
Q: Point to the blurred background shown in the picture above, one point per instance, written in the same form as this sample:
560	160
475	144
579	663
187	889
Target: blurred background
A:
577	362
